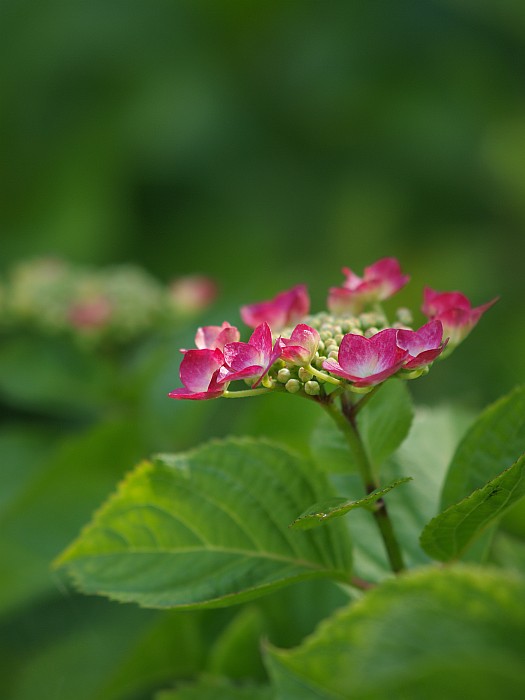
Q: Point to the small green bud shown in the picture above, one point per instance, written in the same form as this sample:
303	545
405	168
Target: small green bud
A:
312	388
283	375
319	361
325	334
304	374
320	347
333	355
338	338
293	386
371	331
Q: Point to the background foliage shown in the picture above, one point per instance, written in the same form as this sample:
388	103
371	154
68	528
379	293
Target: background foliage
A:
263	144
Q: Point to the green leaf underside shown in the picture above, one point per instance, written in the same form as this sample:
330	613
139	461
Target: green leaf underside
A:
433	634
495	440
207	528
448	535
336	507
383	423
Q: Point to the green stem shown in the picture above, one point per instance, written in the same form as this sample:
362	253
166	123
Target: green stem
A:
244	393
322	376
346	421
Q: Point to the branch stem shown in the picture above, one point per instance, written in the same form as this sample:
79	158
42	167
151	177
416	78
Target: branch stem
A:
346	421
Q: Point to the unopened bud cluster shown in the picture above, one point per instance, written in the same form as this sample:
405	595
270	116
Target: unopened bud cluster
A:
116	304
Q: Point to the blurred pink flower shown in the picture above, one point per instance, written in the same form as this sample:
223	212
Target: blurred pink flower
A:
301	346
380	281
423	345
455	312
368	361
253	359
286	308
192	293
91	313
198	372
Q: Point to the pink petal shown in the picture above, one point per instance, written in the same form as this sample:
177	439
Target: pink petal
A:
428	337
197	370
302	344
261	339
367	361
238	356
274	356
216	336
286	308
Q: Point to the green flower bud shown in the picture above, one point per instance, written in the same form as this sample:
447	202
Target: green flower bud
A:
312	388
293	386
371	331
319	361
283	375
404	315
304	374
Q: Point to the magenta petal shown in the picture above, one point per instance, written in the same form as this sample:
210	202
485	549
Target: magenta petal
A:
197	368
229	375
286	308
367	361
238	356
428	337
261	339
199	396
274	356
302	345
425	357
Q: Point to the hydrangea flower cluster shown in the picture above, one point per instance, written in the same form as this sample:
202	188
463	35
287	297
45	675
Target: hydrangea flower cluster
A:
351	346
97	306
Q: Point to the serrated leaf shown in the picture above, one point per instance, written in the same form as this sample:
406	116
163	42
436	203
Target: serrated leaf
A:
384	422
210	688
452	531
434	634
208	529
495	440
336	507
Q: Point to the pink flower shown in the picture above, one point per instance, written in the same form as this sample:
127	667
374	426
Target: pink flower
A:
192	293
455	312
286	308
380	281
198	372
301	346
253	359
212	337
368	361
423	345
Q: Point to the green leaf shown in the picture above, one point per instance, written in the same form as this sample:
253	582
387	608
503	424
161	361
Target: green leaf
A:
384	423
51	500
208	528
217	689
494	441
434	634
91	649
320	513
452	531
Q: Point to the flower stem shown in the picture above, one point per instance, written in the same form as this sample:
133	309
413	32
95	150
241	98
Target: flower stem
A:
321	375
244	393
346	421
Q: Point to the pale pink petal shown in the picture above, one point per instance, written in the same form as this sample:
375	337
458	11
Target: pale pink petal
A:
261	339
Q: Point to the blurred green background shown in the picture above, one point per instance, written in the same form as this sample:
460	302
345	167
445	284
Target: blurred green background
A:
263	144
271	143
